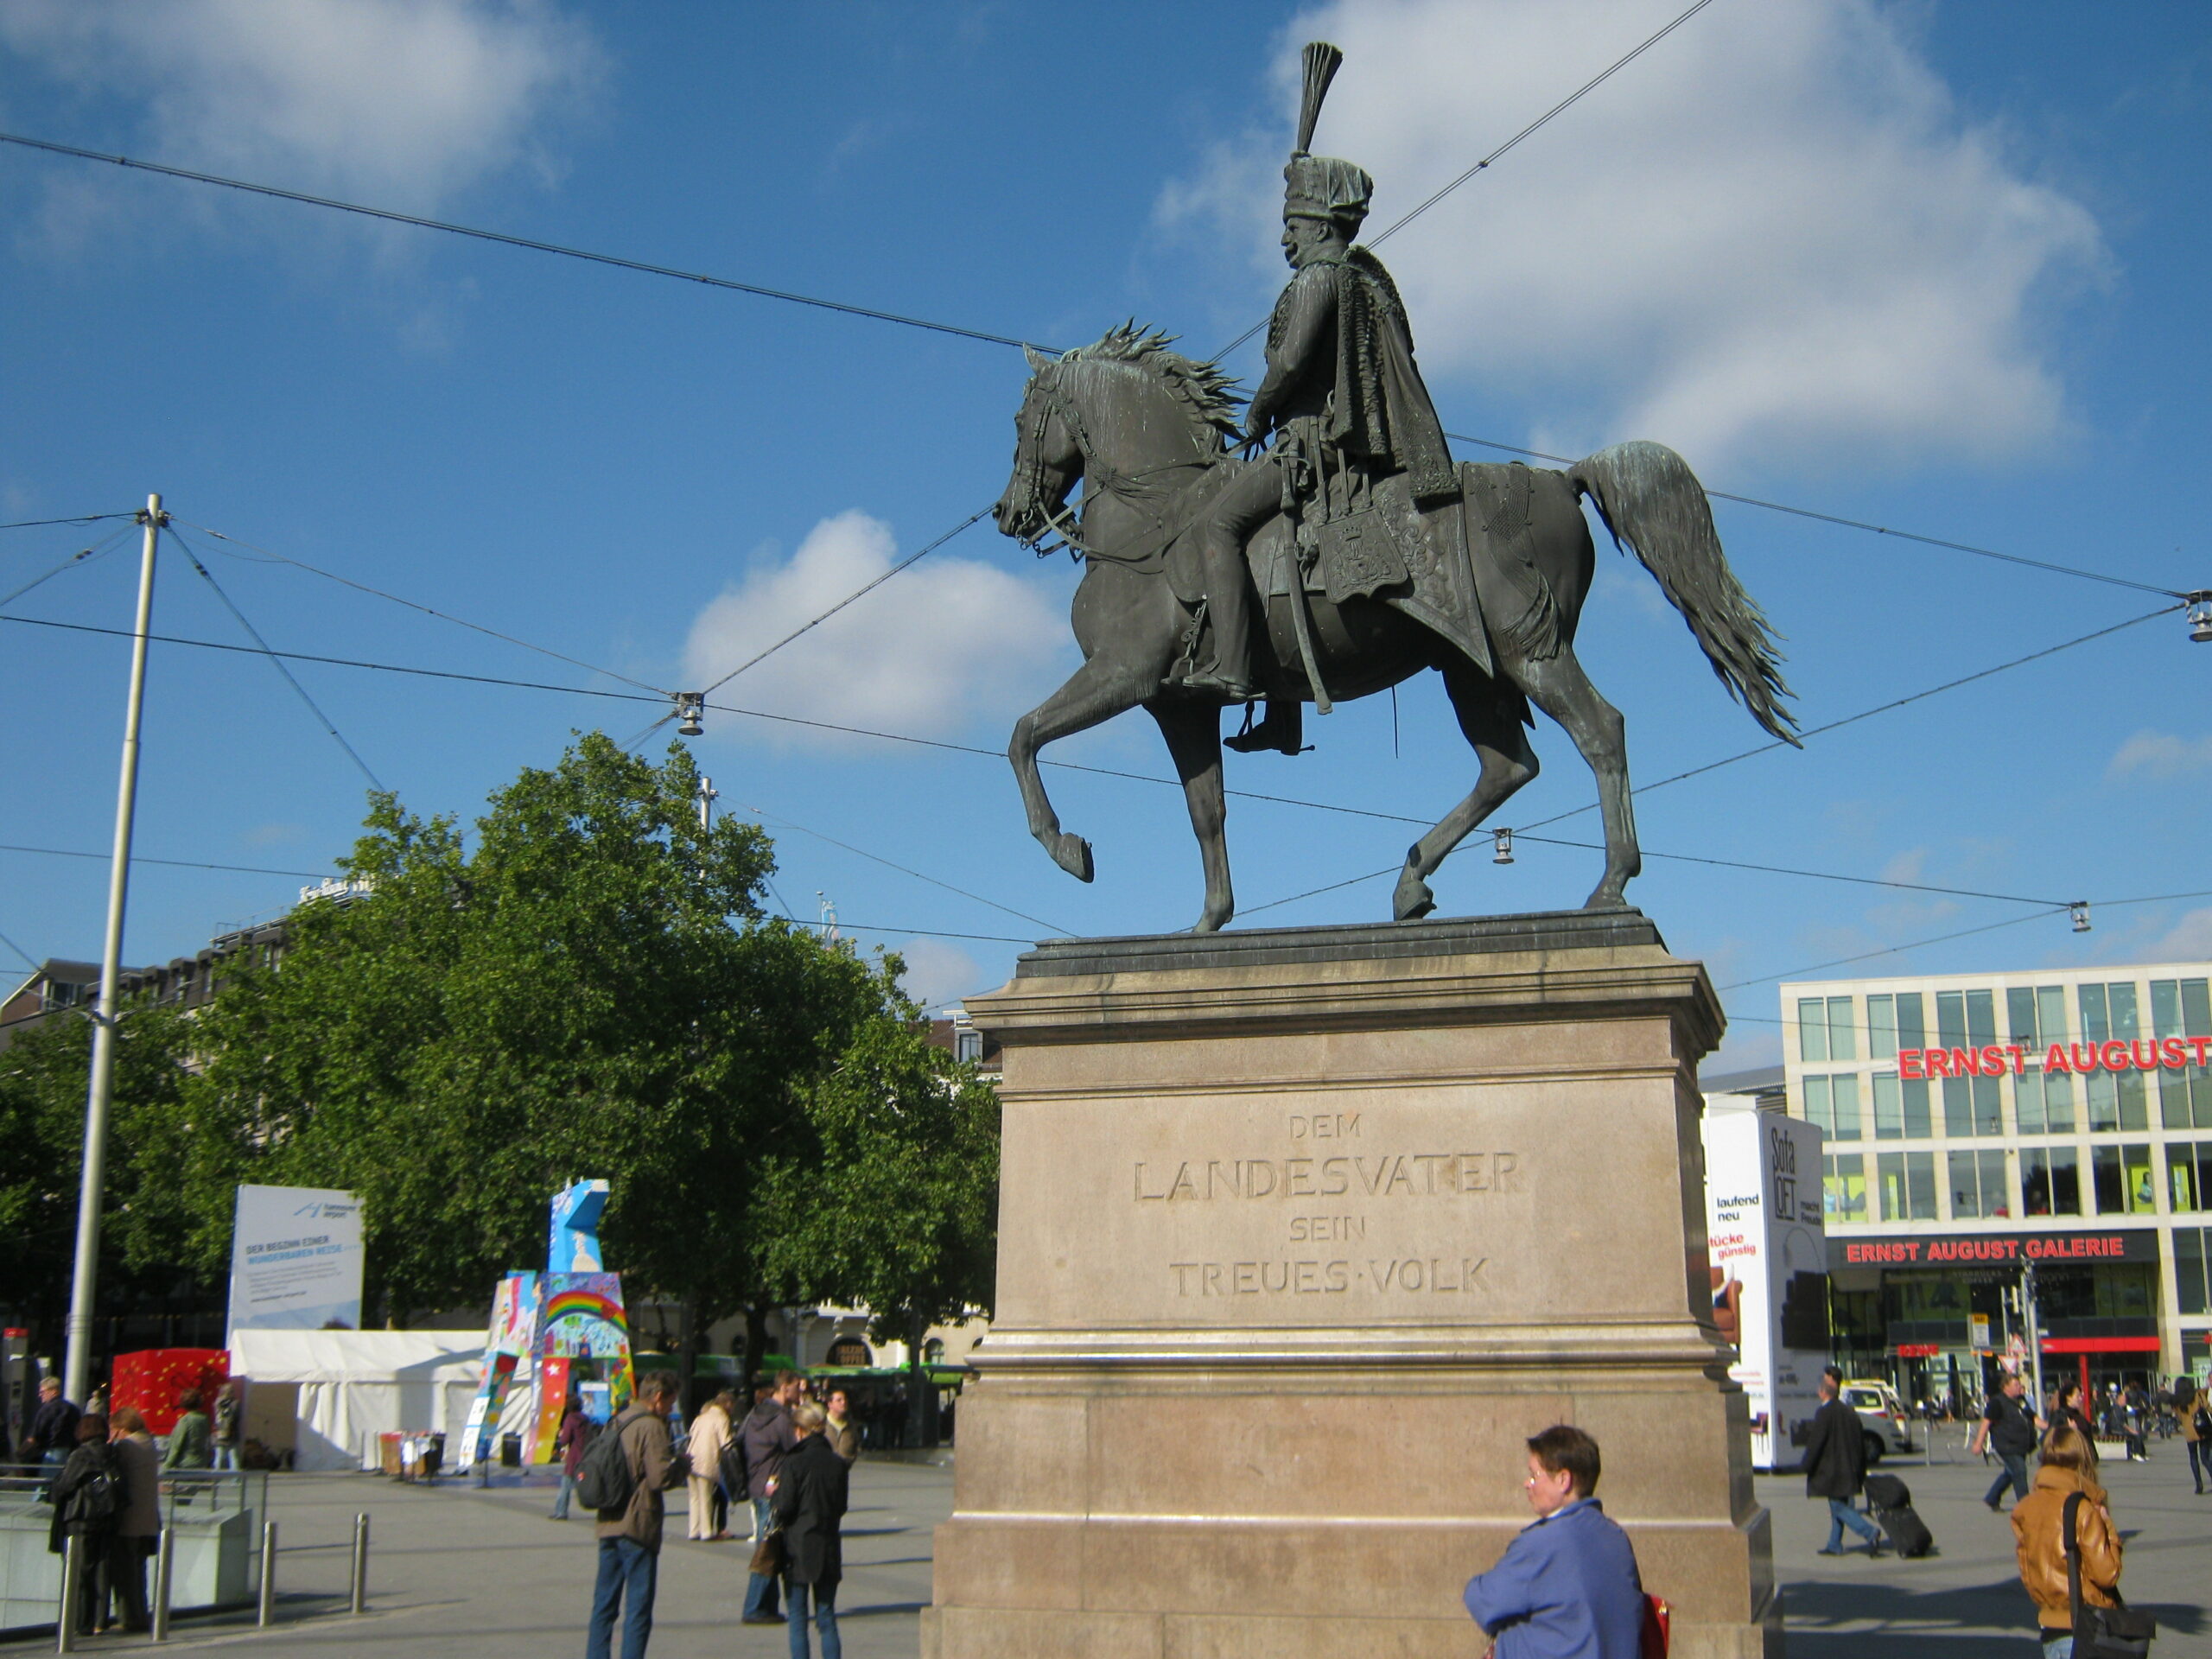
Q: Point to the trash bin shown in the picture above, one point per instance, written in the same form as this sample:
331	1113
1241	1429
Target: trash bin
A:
510	1451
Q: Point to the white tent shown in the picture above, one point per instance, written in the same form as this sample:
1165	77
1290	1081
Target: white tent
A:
355	1385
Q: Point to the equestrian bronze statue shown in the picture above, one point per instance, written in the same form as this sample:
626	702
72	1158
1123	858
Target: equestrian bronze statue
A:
1346	554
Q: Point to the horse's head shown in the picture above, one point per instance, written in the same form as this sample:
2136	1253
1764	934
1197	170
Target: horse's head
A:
1125	410
1047	459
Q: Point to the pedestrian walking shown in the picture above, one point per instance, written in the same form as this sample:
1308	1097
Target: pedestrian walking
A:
52	1434
710	1433
810	1506
2135	1422
230	1407
768	1438
2069	1410
2067	1469
1836	1466
839	1429
2196	1412
86	1496
1567	1585
2008	1427
629	1536
572	1439
192	1442
138	1522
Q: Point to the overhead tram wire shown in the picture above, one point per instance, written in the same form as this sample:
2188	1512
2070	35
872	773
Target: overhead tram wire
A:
29	960
1763	748
1945	938
1116	772
277	662
81	518
531	243
415	605
1868	714
875	858
1572	99
1861	523
866	588
138	858
74	559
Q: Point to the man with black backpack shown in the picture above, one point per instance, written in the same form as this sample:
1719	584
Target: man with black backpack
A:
88	1498
623	1475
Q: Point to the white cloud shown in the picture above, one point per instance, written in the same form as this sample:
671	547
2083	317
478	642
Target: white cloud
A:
1773	236
938	973
2189	940
401	101
941	645
2161	756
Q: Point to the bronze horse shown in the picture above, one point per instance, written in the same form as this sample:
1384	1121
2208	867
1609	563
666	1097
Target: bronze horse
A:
1147	430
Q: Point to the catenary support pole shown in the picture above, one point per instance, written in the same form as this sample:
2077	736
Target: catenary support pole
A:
2035	1329
164	1585
359	1598
267	1614
76	1381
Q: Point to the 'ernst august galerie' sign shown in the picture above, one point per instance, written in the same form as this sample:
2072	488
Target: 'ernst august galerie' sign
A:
1995	1059
1994	1249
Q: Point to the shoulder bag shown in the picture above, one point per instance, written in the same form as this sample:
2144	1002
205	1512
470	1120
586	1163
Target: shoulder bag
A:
2115	1632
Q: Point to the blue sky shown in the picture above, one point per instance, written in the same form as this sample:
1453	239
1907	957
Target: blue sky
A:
1935	266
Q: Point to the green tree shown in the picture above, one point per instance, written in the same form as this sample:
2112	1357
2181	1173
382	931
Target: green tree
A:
166	1175
895	1206
592	991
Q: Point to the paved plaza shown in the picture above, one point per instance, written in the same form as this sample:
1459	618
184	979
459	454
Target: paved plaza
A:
479	1573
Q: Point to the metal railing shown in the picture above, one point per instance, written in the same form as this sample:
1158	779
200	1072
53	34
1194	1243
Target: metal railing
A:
74	1566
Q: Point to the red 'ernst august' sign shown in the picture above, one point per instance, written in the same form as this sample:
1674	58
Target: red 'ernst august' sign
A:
1995	1059
1926	1251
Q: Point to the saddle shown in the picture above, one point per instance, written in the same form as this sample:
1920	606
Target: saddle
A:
1464	578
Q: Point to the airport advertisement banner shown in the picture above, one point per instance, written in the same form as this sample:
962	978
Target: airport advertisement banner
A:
296	1259
1766	1244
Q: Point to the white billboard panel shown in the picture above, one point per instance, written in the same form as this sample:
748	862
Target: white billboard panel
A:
1767	1244
296	1259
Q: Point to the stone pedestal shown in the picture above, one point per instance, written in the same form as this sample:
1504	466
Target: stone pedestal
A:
1302	1233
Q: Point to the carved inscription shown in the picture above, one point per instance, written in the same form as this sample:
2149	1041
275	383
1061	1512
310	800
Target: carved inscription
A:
1385	1175
1316	1278
1371	1187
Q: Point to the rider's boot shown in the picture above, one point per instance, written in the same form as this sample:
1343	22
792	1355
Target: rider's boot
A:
1282	729
1228	587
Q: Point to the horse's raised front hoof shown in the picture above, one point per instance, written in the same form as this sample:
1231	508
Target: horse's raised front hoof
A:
1413	899
1072	853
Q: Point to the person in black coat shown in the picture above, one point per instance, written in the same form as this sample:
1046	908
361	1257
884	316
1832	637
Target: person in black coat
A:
87	1498
1835	1467
808	1504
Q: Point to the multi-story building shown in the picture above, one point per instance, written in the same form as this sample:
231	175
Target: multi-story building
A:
2013	1157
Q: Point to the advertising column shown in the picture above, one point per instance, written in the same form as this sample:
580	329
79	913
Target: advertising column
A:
296	1259
1767	1246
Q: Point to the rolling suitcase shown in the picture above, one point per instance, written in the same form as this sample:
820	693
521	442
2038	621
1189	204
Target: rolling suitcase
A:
1891	1500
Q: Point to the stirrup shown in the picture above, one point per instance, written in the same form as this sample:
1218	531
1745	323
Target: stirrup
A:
1279	730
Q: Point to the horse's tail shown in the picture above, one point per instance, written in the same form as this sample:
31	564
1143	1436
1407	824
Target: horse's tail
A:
1654	505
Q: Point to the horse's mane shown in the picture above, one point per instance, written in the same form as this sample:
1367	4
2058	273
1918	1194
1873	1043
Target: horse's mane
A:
1210	395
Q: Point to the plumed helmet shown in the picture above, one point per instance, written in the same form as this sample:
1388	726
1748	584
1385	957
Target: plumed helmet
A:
1321	187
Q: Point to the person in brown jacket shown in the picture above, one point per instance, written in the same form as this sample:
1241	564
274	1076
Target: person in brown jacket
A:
629	1538
2068	1464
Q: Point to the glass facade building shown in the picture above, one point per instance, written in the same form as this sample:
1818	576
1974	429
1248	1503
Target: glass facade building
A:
1992	1137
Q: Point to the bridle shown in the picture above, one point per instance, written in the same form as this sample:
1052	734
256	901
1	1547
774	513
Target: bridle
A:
1098	477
